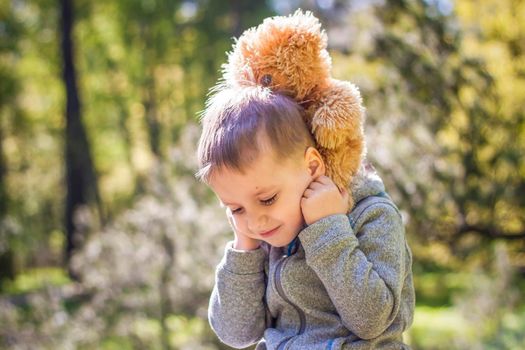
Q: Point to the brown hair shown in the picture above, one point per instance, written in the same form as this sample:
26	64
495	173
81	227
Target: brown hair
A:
231	123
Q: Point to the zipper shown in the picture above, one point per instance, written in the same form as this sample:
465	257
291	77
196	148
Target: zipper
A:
278	286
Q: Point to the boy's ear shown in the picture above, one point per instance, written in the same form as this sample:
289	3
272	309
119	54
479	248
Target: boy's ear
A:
314	162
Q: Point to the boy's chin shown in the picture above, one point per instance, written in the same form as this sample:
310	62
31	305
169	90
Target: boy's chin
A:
279	243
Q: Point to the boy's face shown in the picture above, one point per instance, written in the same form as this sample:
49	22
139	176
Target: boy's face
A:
264	203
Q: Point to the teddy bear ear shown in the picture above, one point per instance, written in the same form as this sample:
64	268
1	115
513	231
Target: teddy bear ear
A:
266	80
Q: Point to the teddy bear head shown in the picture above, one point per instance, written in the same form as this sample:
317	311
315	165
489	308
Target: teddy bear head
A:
286	54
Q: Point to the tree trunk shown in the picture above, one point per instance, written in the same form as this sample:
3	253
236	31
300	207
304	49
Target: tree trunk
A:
81	180
152	120
3	171
236	11
7	268
148	92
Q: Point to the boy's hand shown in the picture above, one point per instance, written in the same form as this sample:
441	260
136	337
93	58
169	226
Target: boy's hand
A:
241	241
322	198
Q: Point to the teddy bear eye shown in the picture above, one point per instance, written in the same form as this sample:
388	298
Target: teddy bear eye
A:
266	80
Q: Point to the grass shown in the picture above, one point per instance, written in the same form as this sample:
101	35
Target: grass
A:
437	328
440	328
183	330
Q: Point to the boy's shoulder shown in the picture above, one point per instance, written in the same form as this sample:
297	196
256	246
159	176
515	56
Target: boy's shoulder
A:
371	201
366	183
380	202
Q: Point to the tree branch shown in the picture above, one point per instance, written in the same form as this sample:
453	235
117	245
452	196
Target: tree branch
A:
489	232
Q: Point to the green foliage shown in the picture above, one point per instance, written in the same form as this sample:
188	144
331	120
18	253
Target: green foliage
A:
466	140
436	289
183	331
444	127
35	279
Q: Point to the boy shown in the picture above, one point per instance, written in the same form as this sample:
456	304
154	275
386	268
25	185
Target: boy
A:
302	271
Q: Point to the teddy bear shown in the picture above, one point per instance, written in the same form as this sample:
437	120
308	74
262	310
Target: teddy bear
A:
288	54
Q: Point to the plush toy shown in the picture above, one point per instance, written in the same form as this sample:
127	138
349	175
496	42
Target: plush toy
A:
288	54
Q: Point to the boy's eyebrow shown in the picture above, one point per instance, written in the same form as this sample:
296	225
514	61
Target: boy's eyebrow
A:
223	204
262	190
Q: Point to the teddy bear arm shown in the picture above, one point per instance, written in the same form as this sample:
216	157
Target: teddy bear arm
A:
338	116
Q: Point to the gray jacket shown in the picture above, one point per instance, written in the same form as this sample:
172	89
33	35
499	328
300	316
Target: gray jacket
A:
344	283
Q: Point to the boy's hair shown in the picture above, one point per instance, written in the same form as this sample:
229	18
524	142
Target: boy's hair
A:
232	122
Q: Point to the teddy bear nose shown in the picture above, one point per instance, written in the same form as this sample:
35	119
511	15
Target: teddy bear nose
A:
266	80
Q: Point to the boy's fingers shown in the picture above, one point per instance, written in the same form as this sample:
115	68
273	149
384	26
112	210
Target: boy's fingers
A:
315	185
325	180
325	184
322	180
319	179
307	193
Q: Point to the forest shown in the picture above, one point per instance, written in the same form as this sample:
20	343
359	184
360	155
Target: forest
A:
108	241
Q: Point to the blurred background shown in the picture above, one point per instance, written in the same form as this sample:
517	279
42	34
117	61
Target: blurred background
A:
108	242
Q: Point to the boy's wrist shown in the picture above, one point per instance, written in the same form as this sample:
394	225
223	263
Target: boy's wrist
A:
245	246
239	262
313	220
327	229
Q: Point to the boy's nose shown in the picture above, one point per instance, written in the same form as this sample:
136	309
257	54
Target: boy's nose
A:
257	222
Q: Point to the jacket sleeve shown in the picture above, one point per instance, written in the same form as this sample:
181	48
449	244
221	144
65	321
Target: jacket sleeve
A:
364	274
237	310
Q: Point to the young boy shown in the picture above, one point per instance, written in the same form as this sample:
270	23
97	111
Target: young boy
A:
303	271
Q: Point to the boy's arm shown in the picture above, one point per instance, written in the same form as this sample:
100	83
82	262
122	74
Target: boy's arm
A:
364	277
237	311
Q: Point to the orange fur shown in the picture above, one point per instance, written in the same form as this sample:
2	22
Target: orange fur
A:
288	54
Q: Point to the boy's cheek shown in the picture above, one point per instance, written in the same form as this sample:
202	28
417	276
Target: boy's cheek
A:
231	219
235	223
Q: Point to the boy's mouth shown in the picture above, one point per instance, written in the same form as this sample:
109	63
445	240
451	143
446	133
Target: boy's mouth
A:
269	233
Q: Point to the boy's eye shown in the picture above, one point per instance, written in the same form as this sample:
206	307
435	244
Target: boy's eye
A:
236	211
269	201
